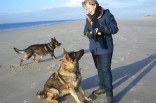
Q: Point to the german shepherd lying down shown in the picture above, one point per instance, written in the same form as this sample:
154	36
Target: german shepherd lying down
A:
65	80
39	49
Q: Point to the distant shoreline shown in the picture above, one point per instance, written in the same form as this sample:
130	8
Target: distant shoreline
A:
22	25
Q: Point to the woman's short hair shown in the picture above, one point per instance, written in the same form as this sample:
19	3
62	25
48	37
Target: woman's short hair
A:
91	2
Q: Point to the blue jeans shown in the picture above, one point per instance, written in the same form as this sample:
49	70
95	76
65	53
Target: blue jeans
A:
103	65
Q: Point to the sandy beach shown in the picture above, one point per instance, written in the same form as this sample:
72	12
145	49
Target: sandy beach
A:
133	63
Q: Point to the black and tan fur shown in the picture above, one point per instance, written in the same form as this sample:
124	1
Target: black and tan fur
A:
65	80
39	49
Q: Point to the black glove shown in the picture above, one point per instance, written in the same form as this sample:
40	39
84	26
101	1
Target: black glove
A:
98	31
90	34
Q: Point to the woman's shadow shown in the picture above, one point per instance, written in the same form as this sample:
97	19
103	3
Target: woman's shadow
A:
122	74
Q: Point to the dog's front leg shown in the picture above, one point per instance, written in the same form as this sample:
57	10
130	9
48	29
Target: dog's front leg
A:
73	93
83	94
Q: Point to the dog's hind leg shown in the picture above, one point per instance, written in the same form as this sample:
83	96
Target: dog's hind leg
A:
21	62
83	94
41	57
26	57
53	101
52	94
33	56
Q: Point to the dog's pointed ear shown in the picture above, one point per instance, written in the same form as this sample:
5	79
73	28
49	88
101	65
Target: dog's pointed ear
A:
79	54
64	51
66	55
52	39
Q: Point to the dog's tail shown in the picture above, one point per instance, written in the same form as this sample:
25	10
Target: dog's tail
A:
19	51
41	95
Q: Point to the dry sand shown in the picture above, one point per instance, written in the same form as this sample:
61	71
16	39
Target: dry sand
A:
133	64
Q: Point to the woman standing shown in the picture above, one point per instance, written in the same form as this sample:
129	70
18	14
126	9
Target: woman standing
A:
99	27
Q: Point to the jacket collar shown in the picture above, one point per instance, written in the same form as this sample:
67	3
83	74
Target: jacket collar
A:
98	14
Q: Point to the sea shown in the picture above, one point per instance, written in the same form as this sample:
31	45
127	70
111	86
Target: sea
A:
21	25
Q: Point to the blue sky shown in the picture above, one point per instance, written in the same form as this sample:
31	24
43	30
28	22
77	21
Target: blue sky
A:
41	10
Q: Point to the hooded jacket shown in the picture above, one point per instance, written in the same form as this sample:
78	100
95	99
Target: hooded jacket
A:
101	44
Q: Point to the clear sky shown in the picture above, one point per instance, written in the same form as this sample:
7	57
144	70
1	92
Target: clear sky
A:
31	10
17	6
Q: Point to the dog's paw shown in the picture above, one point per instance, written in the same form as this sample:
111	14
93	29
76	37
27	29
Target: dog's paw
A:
53	101
80	102
88	99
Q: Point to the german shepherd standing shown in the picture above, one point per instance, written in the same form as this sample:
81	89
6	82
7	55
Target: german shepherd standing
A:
65	80
39	49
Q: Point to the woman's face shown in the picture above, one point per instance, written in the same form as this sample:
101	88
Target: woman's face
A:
90	8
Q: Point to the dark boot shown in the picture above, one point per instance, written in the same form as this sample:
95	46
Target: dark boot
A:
98	91
109	99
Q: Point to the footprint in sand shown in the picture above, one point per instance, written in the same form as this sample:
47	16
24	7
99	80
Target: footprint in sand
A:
16	68
136	101
25	101
33	85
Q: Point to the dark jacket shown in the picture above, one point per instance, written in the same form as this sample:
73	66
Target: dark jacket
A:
102	44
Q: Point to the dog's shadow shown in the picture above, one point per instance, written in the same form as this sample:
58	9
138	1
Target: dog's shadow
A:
123	74
51	59
93	97
62	99
60	56
45	60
